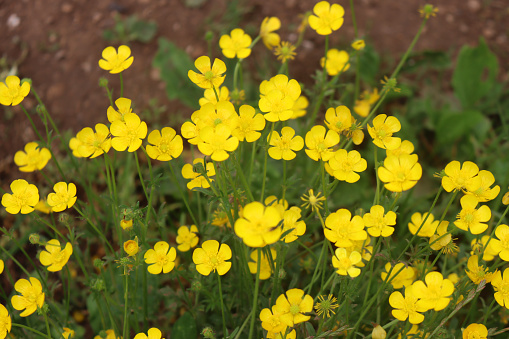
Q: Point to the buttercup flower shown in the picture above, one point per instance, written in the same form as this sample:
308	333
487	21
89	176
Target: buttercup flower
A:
128	133
33	158
211	76
93	144
367	99
249	123
327	18
337	62
197	179
358	44
490	252
475	331
284	146
471	219
382	130
341	229
407	307
74	143
400	173
484	192
126	224
346	264
153	333
131	247
68	333
500	284
23	198
31	296
124	107
236	44
187	238
477	273
338	119
110	334
116	62
267	28
11	92
435	294
211	257
344	165
278	97
299	107
319	143
54	257
401	275
265	266
406	147
429	227
291	222
379	224
271	320
161	258
64	196
461	177
442	239
217	142
293	305
5	322
166	145
502	246
258	225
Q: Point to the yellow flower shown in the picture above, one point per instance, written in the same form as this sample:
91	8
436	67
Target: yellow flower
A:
161	258
461	177
429	227
33	158
319	143
502	246
312	201
382	130
258	225
197	179
299	107
31	296
484	193
379	224
236	44
342	230
477	273
327	18
344	165
23	198
401	275
500	284
110	334
435	294
54	257
166	145
475	331
126	224
471	219
426	12
326	306
209	96
93	144
358	44
400	173
11	93
406	147
267	28
490	252
68	333
124	107
42	206
128	133
277	97
337	62
282	335
338	119
217	142
248	125
211	257
64	196
131	247
345	265
271	320
284	146
211	76
442	240
153	333
2	265
293	305
116	62
291	222
187	238
5	322
407	307
74	144
285	51
265	266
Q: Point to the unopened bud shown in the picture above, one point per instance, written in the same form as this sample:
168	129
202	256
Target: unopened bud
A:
34	238
103	82
196	286
378	333
208	333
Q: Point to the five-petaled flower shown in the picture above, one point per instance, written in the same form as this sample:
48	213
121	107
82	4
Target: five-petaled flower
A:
33	158
211	76
11	92
31	296
211	257
342	230
293	306
336	62
284	146
54	257
128	133
408	306
5	322
345	264
267	28
400	173
161	258
435	294
166	145
472	219
319	143
258	225
327	18
92	144
23	198
114	61
383	129
187	238
461	177
500	283
63	197
236	44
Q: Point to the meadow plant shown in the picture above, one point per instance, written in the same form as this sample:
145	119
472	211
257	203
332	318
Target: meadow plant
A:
246	229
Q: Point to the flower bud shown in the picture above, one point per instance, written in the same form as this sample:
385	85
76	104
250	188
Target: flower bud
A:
34	238
378	333
126	224
196	286
98	263
208	333
505	199
103	82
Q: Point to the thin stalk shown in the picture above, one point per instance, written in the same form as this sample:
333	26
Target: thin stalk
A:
121	87
182	193
255	299
126	304
225	331
30	329
101	235
240	173
47	325
265	161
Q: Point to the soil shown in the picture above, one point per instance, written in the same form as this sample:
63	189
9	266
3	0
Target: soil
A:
58	43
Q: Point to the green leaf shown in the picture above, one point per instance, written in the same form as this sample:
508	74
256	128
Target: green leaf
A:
454	126
475	74
144	31
184	328
369	64
174	63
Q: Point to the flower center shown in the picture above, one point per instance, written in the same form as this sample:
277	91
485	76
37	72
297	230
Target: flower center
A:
294	309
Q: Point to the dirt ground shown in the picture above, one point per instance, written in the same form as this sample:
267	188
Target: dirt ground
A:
58	43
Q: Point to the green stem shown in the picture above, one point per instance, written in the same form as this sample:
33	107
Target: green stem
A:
30	329
225	331
101	235
265	161
255	299
182	193
121	87
240	173
126	304
47	324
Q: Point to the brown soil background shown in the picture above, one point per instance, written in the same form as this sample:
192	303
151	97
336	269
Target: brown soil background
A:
63	41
